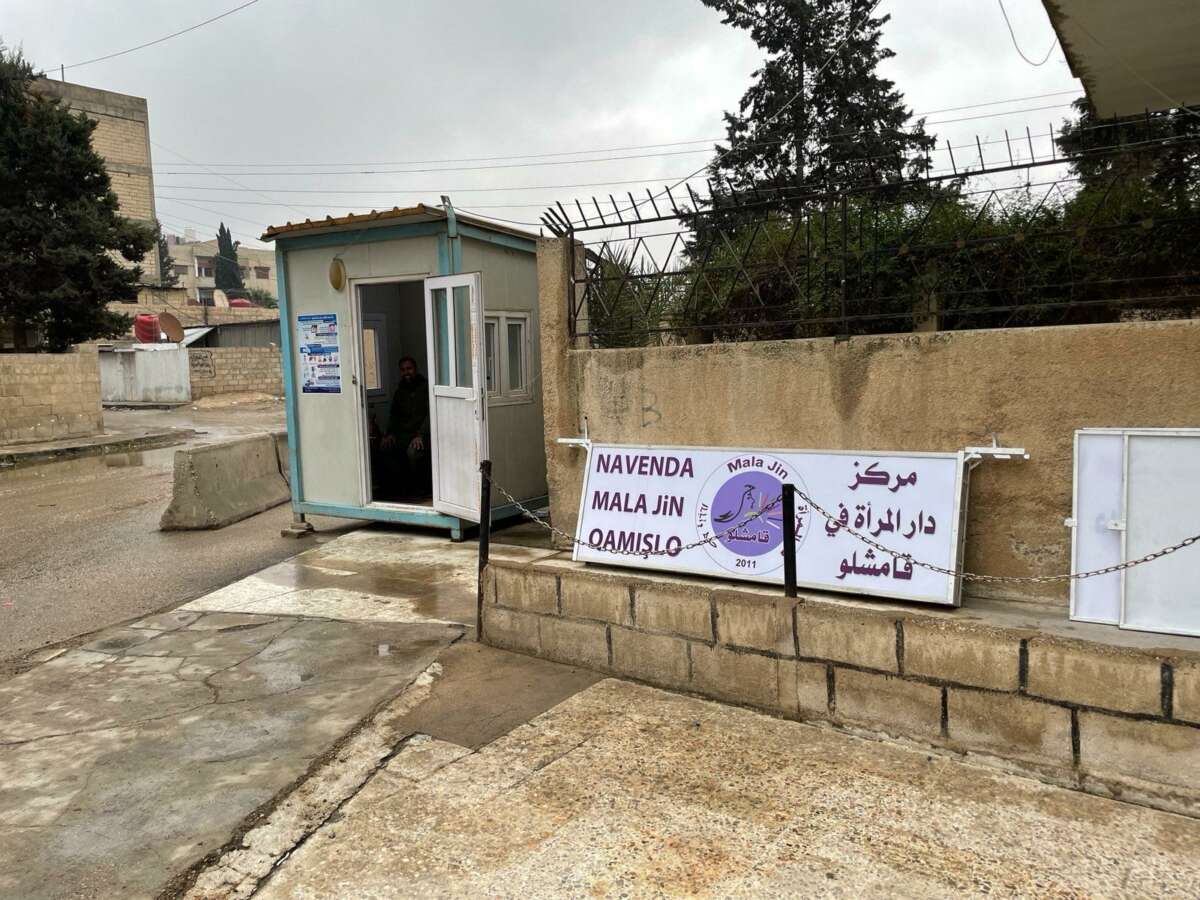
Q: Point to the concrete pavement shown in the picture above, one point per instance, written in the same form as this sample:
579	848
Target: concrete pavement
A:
628	791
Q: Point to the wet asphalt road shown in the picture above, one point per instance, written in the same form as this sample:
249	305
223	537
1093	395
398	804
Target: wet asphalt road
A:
81	547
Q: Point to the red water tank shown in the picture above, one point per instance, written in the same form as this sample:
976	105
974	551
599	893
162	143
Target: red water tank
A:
145	328
239	303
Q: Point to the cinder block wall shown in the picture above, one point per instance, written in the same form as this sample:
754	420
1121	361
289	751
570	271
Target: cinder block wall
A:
235	370
47	396
942	391
1119	721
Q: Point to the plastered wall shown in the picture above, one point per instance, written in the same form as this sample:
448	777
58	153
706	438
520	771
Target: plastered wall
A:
235	370
942	391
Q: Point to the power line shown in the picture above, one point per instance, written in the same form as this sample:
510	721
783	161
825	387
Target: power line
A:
219	175
466	159
572	162
1012	34
88	62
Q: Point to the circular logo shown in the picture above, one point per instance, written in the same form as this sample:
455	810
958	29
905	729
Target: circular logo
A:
741	509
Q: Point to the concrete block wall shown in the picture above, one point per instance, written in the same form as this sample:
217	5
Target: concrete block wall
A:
1119	721
47	396
235	370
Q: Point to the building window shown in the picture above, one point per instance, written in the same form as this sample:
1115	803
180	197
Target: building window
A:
243	271
205	296
180	270
263	272
506	356
204	267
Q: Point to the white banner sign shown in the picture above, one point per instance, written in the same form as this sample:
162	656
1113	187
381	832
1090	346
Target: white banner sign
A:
652	500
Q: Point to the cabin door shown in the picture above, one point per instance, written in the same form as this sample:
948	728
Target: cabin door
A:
457	397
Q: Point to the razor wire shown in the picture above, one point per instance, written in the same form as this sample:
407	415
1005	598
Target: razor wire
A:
841	526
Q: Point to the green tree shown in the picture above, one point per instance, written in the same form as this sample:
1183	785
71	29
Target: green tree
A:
166	265
261	297
63	237
817	116
227	274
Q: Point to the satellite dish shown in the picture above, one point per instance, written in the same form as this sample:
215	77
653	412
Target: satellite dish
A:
220	299
170	327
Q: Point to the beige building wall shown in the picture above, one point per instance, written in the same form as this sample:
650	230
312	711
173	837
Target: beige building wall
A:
122	138
235	370
942	391
194	263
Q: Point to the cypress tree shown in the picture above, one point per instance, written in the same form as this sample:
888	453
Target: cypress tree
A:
227	274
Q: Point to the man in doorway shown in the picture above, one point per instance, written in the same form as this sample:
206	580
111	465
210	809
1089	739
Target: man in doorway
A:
406	442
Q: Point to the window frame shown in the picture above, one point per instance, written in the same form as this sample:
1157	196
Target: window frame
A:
505	394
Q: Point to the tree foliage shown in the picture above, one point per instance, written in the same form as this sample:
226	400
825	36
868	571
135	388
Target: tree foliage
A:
166	265
227	273
63	237
818	115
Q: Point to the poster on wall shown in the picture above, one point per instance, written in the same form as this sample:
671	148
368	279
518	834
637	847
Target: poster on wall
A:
692	510
320	359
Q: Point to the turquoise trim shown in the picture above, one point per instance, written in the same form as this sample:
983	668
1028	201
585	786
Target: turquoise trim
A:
362	236
289	385
430	519
504	240
443	244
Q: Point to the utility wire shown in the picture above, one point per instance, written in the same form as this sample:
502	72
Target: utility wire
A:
466	159
88	62
1012	34
574	162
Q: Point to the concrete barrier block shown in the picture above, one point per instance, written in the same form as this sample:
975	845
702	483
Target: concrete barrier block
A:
736	677
512	630
966	654
1158	752
1092	675
528	590
1007	725
656	658
758	622
575	643
606	600
846	635
886	703
281	454
804	689
678	609
218	484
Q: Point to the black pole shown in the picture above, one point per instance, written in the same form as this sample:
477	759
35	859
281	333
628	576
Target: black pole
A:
789	540
485	529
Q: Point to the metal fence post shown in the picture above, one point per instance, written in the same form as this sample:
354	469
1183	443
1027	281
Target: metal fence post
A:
789	540
485	530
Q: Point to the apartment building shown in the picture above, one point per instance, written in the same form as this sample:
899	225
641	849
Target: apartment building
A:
122	138
194	263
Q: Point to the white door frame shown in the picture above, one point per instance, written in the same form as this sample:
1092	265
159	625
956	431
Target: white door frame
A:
358	382
477	393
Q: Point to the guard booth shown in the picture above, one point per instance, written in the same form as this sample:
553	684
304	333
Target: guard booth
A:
455	294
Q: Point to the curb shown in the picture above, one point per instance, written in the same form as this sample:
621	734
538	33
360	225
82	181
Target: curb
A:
17	458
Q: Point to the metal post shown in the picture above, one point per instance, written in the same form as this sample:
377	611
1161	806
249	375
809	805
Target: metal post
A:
485	529
789	540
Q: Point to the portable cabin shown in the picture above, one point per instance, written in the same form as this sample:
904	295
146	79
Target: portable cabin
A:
454	293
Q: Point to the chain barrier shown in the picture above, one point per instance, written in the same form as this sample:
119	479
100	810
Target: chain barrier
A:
953	573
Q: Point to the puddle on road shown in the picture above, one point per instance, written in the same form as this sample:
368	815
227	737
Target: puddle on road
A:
161	458
435	591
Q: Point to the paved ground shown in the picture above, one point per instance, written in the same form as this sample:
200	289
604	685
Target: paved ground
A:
623	790
82	548
131	758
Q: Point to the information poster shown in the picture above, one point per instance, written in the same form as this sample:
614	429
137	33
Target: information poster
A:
643	506
320	358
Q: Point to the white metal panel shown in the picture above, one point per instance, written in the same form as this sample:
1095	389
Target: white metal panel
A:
1163	508
458	409
332	455
1095	544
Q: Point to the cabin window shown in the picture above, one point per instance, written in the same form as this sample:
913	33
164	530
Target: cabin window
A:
506	347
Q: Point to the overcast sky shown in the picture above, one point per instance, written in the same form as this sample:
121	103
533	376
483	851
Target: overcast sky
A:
375	83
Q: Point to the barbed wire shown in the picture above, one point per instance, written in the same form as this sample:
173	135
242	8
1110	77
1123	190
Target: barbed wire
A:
942	570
